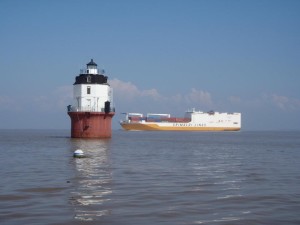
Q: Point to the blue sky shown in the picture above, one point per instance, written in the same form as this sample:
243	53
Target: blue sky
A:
162	56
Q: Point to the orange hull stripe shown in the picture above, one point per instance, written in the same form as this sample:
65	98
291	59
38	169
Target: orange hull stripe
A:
146	127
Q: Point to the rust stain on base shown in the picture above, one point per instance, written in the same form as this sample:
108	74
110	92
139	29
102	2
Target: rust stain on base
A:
90	124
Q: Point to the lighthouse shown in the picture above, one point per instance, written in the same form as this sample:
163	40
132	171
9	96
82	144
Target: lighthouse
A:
92	110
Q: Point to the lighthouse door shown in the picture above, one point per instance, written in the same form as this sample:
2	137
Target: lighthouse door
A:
88	101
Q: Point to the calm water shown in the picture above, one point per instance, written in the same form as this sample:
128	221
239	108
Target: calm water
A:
150	178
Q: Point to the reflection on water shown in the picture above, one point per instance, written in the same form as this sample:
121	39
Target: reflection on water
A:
147	178
92	181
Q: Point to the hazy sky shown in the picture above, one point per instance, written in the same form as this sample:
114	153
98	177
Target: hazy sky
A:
162	56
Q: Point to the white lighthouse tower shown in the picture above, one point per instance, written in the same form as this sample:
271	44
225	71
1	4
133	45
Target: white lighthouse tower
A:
91	112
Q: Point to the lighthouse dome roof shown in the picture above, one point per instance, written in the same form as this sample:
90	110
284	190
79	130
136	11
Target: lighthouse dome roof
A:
91	63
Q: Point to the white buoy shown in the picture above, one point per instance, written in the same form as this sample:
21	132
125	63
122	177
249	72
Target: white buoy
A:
78	154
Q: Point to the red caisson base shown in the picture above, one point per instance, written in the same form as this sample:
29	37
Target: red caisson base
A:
90	124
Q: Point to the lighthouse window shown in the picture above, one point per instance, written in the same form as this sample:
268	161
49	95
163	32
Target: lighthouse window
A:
88	90
88	79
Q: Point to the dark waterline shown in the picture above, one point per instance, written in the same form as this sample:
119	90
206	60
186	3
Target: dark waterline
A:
150	178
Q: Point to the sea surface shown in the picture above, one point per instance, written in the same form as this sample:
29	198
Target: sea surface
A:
247	177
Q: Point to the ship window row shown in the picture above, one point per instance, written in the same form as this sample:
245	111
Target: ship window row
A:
222	121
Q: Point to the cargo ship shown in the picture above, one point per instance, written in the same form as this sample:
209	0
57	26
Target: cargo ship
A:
192	121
